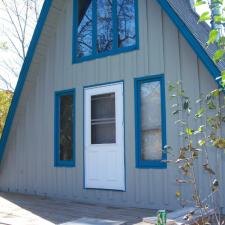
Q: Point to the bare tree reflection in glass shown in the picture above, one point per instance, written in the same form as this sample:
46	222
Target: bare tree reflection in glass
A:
126	23
104	25
84	34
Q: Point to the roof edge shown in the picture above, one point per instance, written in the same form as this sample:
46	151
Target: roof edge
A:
190	38
23	74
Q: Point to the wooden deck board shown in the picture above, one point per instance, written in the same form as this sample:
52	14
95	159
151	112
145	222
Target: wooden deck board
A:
17	209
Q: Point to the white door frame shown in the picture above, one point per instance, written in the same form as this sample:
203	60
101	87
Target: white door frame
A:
102	155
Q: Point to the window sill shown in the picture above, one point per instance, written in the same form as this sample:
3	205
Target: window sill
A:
105	54
64	164
151	164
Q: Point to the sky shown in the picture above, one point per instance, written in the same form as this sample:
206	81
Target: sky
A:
9	56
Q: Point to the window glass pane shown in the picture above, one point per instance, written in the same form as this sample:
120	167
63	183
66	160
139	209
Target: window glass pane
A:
103	127
151	121
66	127
84	34
126	23
104	25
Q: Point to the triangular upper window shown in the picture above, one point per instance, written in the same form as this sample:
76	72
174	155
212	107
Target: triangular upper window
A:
104	27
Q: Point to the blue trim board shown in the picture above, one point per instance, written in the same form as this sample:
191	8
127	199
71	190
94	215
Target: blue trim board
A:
151	164
23	74
115	49
99	85
57	161
190	38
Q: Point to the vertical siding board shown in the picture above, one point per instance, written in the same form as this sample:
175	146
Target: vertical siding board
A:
129	139
172	74
31	132
155	36
69	17
60	85
142	54
189	77
207	85
27	133
52	77
38	132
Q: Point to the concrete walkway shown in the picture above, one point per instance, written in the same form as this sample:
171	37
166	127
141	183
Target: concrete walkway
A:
16	209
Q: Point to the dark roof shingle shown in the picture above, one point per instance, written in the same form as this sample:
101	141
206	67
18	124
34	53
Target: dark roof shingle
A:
201	31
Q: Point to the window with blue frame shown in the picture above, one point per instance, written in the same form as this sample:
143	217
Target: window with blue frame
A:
104	27
65	128
150	115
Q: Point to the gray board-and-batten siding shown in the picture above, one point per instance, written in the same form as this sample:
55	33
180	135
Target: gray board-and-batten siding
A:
28	163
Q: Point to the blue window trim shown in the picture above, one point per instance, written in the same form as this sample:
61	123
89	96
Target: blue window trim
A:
157	164
115	49
57	161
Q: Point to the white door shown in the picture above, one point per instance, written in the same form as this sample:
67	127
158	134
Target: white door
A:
104	137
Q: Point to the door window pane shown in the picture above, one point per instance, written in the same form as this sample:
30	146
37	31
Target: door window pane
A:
126	23
104	25
151	142
84	34
103	127
66	127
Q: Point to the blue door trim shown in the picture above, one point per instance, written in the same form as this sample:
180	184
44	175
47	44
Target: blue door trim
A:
99	85
151	164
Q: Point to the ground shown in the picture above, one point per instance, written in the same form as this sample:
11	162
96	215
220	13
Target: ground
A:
16	209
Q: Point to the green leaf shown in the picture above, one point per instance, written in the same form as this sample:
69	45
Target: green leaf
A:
204	17
189	131
221	41
218	55
223	78
211	105
219	19
212	37
5	101
199	113
199	2
219	143
171	87
201	142
200	130
215	93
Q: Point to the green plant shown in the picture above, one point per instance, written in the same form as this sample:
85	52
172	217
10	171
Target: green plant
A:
199	132
5	101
